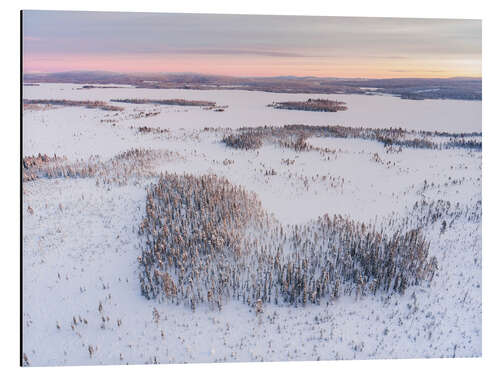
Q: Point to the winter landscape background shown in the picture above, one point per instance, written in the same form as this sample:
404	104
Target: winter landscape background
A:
230	188
85	197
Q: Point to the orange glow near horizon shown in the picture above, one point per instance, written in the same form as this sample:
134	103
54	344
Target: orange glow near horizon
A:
251	66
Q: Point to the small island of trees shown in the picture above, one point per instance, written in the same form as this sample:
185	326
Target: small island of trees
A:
317	105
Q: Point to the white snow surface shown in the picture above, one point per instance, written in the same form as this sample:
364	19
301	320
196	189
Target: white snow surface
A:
80	244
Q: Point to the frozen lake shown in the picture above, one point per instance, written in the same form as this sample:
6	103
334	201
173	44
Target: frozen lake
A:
249	108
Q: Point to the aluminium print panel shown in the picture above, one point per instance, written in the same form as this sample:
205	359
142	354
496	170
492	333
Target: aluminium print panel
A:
235	188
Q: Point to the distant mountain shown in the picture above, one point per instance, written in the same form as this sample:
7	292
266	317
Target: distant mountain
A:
466	78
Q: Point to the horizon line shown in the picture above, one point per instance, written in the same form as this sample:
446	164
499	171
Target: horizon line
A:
248	76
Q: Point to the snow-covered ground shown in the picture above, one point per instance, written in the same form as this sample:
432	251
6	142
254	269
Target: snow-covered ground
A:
81	243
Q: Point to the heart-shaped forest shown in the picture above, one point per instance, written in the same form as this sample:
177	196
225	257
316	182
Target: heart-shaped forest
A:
205	240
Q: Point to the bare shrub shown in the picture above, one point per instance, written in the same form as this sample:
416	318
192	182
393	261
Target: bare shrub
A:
130	163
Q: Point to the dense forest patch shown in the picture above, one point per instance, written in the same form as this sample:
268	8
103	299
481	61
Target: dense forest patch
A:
207	241
295	136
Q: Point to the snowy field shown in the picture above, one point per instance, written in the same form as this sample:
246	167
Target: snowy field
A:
82	302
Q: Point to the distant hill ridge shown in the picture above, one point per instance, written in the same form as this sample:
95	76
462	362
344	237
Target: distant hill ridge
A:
462	88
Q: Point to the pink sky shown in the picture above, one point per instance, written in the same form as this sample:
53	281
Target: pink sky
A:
247	66
250	45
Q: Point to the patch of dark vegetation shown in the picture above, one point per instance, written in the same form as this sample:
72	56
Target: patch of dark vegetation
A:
439	93
208	241
87	87
295	136
453	135
143	114
414	143
147	129
74	103
427	213
216	108
288	161
427	88
470	144
246	140
316	105
270	172
109	121
181	102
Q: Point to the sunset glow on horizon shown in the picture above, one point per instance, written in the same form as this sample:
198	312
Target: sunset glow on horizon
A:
235	45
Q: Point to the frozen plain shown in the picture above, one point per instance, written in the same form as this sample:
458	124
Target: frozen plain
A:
80	245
